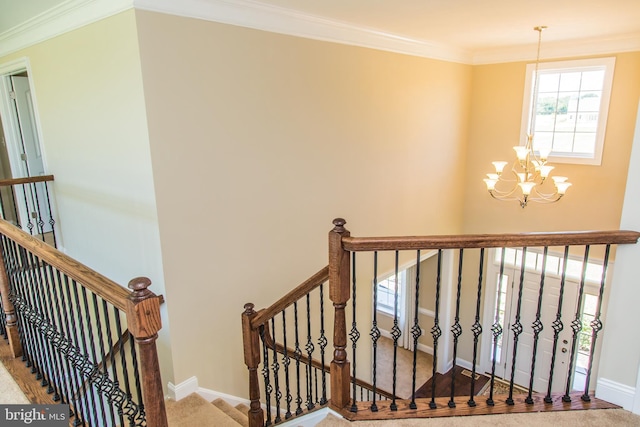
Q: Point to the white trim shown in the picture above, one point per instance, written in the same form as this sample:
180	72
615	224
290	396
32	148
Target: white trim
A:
426	312
253	14
425	348
571	65
211	395
636	398
616	393
62	18
184	389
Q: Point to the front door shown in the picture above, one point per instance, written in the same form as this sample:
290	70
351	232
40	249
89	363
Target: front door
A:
508	291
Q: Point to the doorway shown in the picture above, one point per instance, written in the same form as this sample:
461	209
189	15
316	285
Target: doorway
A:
21	154
504	291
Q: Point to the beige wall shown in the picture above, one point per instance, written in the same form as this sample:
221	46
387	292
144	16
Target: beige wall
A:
595	199
88	88
258	141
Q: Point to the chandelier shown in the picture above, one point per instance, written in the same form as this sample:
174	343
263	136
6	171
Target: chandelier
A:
527	179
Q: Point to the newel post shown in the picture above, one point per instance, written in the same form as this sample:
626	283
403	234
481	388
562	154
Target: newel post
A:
10	312
251	343
143	319
339	267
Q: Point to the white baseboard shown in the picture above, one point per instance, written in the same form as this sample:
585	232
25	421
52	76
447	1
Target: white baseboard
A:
211	395
614	392
184	389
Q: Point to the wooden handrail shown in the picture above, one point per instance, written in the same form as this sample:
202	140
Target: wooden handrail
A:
25	180
303	289
109	290
358	244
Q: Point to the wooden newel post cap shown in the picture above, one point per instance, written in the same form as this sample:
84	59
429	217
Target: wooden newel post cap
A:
139	287
339	225
248	308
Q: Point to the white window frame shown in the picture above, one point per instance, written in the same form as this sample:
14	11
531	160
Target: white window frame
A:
573	65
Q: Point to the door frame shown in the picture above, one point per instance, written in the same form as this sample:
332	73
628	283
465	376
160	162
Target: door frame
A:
10	125
491	287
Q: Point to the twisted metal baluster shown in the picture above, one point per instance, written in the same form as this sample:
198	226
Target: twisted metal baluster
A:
83	407
576	325
26	203
43	301
375	332
140	415
395	334
58	380
456	329
557	324
124	363
37	367
103	354
39	220
265	374
496	330
436	332
112	356
322	341
416	331
354	335
309	347
516	328
476	328
286	360
275	366
92	347
537	327
298	355
596	324
52	222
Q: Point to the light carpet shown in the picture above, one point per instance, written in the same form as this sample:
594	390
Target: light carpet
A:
10	392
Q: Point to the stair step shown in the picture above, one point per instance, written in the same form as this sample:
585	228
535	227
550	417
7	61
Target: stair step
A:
193	410
243	408
232	412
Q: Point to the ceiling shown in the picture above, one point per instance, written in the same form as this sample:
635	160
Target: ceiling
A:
473	26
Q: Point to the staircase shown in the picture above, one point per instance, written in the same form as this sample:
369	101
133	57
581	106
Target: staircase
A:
194	410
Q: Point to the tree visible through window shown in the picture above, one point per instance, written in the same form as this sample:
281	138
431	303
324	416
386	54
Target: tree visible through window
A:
571	106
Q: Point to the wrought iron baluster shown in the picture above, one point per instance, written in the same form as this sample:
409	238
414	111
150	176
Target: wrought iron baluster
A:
436	332
125	365
309	347
375	332
286	360
112	359
596	324
140	414
476	329
90	343
33	286
265	374
30	225
80	408
52	222
103	362
354	335
496	330
275	366
395	334
298	356
557	324
15	207
38	213
456	329
416	331
516	328
23	296
322	342
537	327
56	379
576	325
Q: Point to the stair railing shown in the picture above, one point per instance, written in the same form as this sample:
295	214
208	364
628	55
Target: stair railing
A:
27	203
66	321
450	324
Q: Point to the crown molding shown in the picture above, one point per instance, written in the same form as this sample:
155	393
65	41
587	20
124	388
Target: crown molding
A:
253	14
65	17
72	14
560	49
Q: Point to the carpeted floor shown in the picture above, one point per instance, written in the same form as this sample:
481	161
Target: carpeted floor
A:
10	392
592	418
